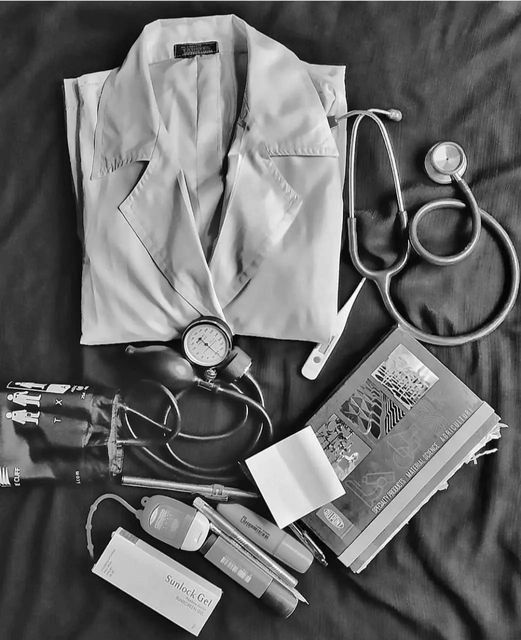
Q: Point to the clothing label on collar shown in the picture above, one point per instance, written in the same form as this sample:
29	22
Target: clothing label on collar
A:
191	49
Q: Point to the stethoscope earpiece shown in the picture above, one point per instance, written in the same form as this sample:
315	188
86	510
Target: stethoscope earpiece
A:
445	161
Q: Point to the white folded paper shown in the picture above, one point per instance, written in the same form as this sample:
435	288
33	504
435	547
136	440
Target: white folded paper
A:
295	477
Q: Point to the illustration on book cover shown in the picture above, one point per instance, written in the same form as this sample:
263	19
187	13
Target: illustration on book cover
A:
373	410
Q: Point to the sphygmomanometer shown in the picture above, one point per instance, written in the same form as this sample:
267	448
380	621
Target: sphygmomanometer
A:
210	364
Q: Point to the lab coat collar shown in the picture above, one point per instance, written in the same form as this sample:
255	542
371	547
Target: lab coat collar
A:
129	121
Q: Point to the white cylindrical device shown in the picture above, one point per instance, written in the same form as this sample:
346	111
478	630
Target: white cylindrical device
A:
174	522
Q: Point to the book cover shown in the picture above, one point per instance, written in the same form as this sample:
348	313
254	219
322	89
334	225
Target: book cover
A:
383	428
489	431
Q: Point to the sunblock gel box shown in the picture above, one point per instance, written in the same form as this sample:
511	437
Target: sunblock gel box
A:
158	581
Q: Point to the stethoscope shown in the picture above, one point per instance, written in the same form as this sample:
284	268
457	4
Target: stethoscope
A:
445	163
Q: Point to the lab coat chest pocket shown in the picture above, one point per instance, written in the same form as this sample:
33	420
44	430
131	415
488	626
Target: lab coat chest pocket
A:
261	209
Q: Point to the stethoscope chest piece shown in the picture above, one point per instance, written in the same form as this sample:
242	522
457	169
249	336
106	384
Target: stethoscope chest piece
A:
444	160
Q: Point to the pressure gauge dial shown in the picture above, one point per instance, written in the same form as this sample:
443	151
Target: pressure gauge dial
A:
207	341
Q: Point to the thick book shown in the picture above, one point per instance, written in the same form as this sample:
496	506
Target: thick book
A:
394	430
439	482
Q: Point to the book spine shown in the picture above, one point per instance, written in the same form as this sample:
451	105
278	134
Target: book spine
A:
416	484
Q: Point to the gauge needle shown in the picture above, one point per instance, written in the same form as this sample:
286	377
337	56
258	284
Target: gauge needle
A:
209	346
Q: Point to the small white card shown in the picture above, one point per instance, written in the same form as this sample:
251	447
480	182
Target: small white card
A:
158	581
295	477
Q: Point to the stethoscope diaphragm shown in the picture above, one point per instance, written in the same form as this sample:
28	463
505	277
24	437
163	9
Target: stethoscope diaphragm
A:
445	160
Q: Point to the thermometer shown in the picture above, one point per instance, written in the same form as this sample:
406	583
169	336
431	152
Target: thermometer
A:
321	352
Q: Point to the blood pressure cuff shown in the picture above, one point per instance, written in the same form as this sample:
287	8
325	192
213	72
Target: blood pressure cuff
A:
58	432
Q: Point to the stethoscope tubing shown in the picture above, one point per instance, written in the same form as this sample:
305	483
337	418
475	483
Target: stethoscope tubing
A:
475	212
383	285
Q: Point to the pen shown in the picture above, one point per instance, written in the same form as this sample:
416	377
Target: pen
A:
232	532
215	529
246	472
212	491
309	543
298	531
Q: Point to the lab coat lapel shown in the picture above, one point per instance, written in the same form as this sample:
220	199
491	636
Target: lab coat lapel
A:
260	210
281	116
160	212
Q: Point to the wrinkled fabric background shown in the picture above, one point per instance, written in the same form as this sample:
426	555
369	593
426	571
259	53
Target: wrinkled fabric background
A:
454	69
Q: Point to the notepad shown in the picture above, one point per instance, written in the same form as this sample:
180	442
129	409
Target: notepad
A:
295	477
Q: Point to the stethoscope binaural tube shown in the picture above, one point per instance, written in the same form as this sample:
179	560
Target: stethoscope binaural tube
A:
393	114
379	276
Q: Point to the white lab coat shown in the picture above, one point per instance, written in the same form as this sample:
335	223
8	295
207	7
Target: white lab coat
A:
208	185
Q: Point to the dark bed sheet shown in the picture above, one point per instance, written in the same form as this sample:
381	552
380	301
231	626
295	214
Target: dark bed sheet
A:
454	69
